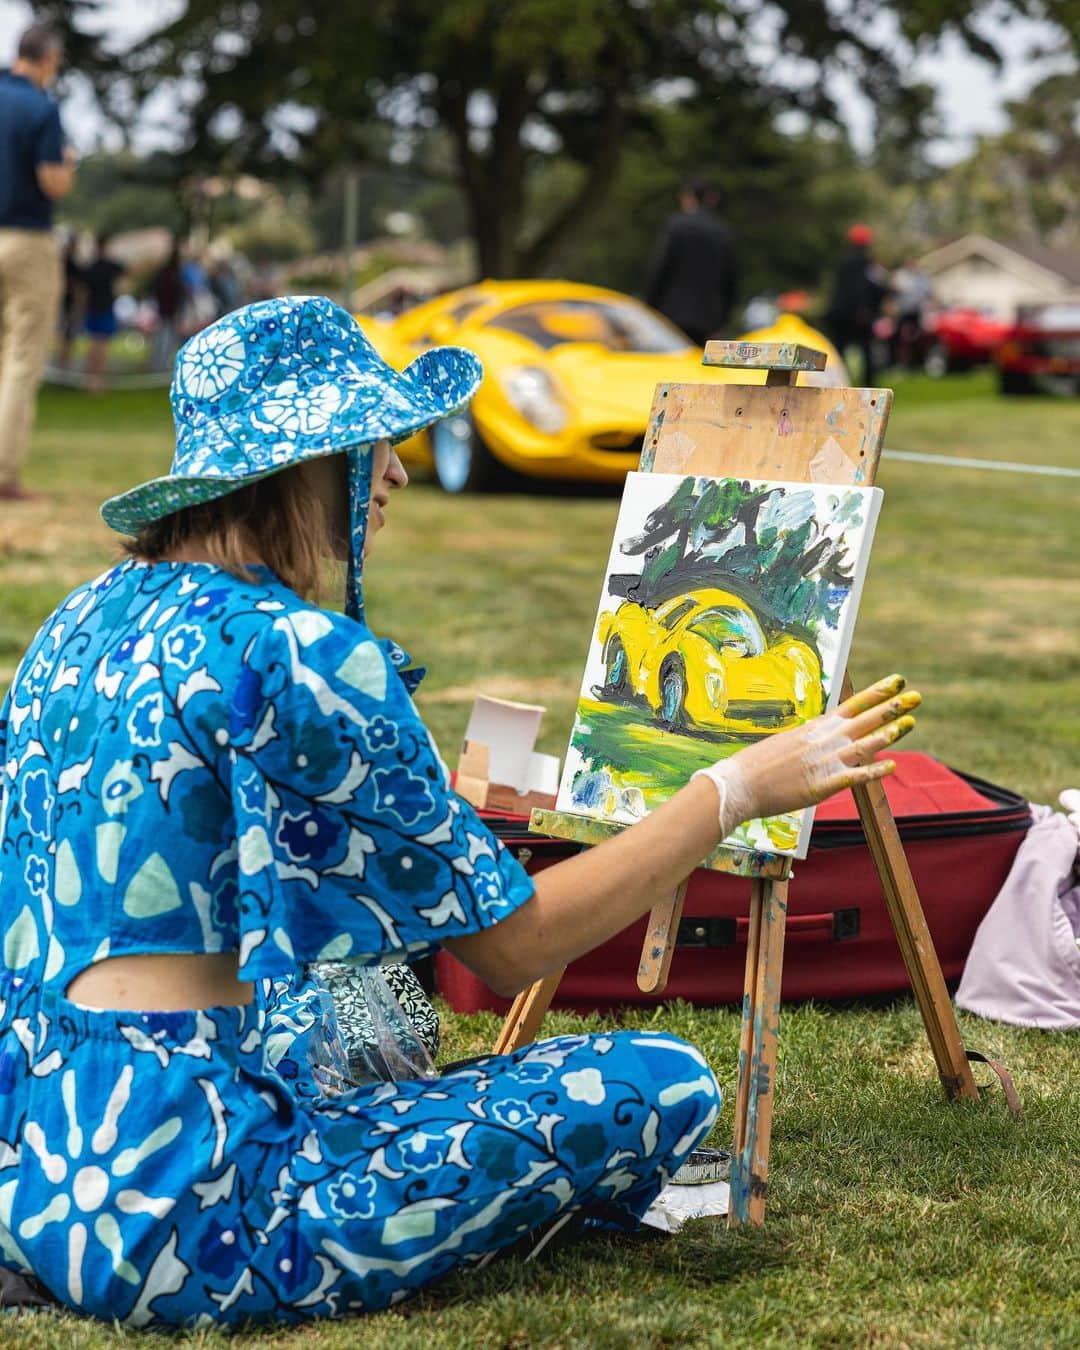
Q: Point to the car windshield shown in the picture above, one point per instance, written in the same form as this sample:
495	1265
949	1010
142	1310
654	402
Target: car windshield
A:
465	307
730	628
620	326
670	614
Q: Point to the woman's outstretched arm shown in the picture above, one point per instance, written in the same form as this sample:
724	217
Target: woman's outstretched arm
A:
583	901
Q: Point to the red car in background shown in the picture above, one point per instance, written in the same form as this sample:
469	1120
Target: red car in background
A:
1041	350
961	338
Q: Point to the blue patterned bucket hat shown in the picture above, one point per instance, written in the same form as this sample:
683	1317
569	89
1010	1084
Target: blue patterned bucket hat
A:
281	381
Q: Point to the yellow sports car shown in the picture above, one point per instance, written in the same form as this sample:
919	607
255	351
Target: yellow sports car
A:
569	377
702	660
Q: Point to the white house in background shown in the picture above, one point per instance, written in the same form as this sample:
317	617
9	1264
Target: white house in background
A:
980	273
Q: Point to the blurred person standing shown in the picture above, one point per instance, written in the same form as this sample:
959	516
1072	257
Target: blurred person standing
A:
858	289
36	169
692	275
71	305
913	293
200	306
100	280
169	296
225	286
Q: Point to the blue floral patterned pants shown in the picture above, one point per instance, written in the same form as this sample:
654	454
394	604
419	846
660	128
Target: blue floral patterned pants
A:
154	1170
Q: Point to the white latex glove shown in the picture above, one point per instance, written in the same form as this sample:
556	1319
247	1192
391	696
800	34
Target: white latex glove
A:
808	763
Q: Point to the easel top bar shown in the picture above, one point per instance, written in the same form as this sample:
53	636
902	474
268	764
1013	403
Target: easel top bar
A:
763	356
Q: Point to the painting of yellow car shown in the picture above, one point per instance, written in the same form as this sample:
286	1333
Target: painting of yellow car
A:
704	661
569	377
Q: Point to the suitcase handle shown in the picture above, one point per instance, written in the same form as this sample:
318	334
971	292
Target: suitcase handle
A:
838	925
796	923
841	925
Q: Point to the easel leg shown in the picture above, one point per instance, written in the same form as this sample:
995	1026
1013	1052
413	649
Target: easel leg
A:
659	946
757	1052
526	1013
742	1090
916	944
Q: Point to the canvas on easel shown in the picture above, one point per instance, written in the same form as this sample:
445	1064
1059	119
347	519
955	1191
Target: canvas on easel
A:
726	616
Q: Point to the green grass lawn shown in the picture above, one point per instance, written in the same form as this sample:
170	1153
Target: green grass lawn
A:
895	1219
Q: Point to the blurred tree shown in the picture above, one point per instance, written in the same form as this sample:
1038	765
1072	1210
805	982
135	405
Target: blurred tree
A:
90	58
436	201
274	235
122	191
1024	182
117	192
514	84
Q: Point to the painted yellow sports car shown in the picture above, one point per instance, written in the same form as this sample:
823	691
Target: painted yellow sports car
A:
569	378
703	660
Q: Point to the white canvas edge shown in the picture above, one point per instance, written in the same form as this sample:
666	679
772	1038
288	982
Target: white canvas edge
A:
874	497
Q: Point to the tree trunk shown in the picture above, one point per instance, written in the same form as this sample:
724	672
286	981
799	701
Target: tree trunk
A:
494	232
493	179
601	175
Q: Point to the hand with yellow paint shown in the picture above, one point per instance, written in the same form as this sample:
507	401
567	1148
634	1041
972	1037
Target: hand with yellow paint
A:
805	765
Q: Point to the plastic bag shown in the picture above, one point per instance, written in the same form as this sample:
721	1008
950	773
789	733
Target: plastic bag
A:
366	1035
1024	964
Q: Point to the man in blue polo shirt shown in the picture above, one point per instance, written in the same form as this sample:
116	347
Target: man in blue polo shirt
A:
36	169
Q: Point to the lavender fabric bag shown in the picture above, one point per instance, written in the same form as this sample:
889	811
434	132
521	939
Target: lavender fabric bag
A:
1024	965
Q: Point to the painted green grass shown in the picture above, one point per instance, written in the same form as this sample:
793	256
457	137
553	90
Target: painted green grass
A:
895	1220
618	735
613	739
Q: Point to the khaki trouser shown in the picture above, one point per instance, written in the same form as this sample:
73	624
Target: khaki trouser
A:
30	286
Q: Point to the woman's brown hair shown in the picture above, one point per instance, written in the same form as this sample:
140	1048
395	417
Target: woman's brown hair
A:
279	520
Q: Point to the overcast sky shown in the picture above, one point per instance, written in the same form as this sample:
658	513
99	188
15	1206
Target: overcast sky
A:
970	92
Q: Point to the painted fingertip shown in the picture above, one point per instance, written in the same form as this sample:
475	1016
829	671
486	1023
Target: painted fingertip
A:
911	699
901	727
887	766
893	683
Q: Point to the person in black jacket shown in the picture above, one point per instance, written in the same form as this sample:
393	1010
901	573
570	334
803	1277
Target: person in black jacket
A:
692	275
859	287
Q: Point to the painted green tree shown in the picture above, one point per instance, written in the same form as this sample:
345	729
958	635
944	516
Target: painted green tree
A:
728	534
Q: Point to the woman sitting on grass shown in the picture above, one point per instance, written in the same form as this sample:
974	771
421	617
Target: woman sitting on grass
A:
210	782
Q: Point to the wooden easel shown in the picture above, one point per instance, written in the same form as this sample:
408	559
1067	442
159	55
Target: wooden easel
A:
790	433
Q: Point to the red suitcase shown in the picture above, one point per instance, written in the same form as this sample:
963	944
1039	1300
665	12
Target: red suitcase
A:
960	835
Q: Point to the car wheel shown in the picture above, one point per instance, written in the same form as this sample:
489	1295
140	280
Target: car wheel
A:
463	463
1015	382
936	361
615	675
673	693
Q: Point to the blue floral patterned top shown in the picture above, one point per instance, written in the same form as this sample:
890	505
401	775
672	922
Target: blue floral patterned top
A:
195	763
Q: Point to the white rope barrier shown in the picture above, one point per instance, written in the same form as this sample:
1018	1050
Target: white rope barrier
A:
111	382
997	465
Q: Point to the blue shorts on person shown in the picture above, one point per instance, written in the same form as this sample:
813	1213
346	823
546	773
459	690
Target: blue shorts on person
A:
101	323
